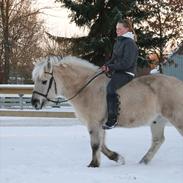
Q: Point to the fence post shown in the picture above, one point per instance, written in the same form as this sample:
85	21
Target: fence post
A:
21	100
2	102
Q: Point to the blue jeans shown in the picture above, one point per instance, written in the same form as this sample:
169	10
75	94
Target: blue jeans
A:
117	81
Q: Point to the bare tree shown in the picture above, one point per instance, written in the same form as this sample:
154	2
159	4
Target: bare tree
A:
164	24
20	38
56	45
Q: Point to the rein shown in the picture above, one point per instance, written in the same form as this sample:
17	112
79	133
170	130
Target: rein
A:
82	88
77	93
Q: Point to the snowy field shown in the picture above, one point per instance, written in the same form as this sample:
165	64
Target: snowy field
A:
61	153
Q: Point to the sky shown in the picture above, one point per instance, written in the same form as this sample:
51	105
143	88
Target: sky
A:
56	19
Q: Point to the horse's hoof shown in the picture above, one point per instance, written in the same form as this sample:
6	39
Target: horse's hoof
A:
121	160
93	164
144	161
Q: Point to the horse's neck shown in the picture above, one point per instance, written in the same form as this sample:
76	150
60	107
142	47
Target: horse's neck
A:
74	80
87	100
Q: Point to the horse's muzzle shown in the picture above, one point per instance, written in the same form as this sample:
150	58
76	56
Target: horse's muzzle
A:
36	103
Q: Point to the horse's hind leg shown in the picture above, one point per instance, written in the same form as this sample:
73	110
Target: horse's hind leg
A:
178	124
157	130
180	131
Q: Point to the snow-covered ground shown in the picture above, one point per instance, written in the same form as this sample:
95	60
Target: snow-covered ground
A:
60	154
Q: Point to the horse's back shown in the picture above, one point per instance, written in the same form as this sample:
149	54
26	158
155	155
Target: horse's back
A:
163	85
145	97
158	84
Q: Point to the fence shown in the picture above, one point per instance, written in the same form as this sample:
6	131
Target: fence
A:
15	100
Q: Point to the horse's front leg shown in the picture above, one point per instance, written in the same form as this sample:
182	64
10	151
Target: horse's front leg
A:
113	155
96	143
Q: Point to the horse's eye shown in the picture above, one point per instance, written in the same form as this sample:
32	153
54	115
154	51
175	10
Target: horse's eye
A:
44	82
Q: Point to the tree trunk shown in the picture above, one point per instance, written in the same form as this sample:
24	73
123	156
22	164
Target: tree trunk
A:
6	43
161	42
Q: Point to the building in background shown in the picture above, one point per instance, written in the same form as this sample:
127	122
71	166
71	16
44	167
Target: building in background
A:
174	64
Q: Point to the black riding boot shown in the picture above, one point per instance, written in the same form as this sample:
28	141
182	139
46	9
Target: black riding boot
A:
112	107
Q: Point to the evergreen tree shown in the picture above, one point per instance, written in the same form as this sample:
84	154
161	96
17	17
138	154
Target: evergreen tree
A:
100	16
156	23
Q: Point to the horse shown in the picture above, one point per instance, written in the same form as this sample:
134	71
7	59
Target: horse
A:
147	100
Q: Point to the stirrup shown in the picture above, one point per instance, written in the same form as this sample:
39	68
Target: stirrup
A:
107	127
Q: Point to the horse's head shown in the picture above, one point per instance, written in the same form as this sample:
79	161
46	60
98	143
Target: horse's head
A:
69	72
45	89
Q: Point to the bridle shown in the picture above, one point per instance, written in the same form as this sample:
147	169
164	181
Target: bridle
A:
58	101
52	79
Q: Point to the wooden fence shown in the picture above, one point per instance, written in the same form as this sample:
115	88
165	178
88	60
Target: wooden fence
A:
15	100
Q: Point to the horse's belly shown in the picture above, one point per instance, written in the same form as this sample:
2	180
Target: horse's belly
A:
129	121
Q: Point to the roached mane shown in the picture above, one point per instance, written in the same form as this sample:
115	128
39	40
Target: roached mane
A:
42	64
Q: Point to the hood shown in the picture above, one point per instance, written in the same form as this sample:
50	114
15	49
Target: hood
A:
129	35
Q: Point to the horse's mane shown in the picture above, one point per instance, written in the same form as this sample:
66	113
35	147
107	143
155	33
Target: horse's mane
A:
43	63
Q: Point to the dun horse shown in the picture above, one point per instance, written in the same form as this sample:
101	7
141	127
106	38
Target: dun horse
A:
153	100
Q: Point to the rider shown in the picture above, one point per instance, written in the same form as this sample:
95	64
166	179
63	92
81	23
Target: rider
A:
122	67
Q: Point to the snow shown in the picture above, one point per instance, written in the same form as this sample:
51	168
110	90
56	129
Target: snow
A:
34	121
46	109
60	154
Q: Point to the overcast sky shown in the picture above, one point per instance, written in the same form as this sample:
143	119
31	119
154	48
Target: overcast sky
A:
56	19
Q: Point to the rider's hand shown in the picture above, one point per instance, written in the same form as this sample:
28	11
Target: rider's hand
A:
105	68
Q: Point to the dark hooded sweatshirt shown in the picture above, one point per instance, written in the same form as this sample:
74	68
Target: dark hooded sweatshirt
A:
124	56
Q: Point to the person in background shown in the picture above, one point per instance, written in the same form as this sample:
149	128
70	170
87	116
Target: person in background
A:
121	66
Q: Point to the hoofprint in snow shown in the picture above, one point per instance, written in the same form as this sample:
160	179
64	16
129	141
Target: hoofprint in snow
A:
61	154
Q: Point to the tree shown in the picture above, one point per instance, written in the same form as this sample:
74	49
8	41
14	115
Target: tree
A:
162	26
20	38
156	22
57	45
100	17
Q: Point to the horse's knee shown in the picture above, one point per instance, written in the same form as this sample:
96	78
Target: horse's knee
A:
95	147
158	141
